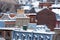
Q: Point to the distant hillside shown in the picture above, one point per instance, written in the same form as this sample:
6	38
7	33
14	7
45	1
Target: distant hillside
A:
9	1
8	5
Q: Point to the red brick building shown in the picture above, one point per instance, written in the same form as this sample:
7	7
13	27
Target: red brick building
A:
47	17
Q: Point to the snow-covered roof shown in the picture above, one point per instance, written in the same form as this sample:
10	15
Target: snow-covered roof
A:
55	5
41	26
37	9
57	11
58	17
6	17
7	20
31	14
8	28
33	31
35	4
26	7
44	32
21	16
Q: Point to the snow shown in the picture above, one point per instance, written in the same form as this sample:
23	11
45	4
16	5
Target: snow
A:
34	31
40	26
44	32
7	20
57	28
55	5
57	11
1	38
37	9
35	4
26	7
21	16
9	28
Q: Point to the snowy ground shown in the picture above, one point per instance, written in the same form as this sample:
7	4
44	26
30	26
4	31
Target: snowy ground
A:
1	38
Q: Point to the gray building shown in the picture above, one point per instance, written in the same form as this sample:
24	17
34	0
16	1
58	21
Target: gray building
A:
22	20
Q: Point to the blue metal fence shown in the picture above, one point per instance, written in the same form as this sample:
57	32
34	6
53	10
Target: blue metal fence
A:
31	36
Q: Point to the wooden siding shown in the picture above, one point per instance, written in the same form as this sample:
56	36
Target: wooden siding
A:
46	17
